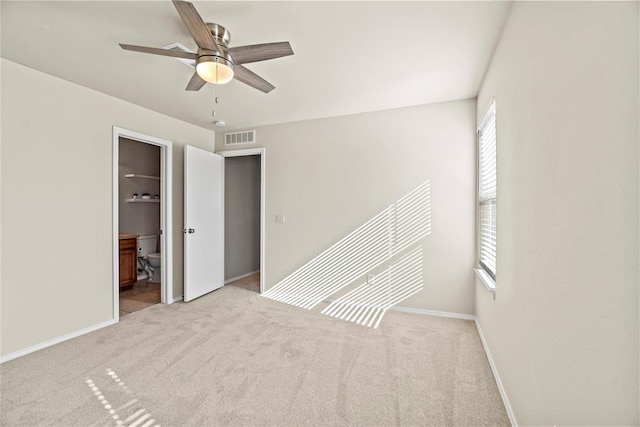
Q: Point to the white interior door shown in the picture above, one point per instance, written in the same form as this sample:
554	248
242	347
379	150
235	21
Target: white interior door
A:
203	222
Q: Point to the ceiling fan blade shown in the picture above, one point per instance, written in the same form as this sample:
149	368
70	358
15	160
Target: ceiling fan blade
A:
195	83
196	26
158	51
250	78
259	52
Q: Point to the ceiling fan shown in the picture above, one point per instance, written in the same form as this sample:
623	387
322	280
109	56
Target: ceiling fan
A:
216	62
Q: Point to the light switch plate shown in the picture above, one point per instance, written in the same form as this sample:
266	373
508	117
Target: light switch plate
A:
280	218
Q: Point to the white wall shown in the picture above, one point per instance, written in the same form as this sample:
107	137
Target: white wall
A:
57	202
329	176
563	329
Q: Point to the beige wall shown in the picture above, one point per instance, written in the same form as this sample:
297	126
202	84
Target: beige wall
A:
142	159
563	329
330	176
57	202
241	216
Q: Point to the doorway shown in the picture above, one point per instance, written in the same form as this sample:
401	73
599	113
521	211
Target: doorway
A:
244	225
141	222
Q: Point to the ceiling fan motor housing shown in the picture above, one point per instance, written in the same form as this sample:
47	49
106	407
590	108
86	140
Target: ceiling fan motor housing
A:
220	33
205	55
222	37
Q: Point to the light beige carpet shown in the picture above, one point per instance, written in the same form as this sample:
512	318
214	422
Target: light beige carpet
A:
234	358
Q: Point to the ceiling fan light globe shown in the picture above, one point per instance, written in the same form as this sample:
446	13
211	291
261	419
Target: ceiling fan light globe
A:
215	70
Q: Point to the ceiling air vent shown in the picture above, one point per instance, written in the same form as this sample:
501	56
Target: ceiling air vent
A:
179	48
244	137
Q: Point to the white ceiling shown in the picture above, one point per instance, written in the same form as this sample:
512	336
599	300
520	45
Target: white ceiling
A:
350	57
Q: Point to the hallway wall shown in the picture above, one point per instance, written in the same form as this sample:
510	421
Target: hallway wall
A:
241	216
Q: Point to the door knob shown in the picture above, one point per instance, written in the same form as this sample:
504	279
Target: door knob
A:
191	231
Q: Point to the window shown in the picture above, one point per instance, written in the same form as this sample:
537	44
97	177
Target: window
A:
487	195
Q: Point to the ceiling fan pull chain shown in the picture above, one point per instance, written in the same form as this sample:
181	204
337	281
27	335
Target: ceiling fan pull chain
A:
215	98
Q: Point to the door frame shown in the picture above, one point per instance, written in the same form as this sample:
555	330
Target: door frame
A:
262	152
166	215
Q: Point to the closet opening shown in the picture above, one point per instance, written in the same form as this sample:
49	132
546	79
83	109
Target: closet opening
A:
142	261
244	218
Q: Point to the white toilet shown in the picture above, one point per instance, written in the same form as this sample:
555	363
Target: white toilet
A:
147	247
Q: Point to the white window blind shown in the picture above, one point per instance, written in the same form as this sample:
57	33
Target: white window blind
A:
487	192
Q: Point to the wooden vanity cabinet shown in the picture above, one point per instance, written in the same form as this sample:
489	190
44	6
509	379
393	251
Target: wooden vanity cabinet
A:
128	255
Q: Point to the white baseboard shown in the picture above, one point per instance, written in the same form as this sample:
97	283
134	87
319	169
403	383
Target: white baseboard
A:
55	341
434	313
242	276
494	370
423	311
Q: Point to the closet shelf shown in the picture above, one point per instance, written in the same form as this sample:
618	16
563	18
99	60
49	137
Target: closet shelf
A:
143	200
136	175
